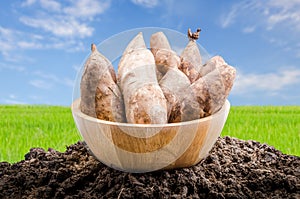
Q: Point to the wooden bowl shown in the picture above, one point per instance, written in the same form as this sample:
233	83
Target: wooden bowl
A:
147	147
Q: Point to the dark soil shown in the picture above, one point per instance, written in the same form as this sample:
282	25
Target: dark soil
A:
234	169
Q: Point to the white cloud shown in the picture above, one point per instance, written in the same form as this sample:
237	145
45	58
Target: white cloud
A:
12	40
146	3
34	97
13	67
47	77
76	67
285	5
6	39
12	96
59	26
229	18
270	82
87	8
275	19
284	13
29	45
51	5
249	29
12	99
241	8
68	23
266	13
68	82
28	3
42	84
64	20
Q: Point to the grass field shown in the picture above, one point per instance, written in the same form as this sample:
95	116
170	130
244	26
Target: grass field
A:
278	126
24	127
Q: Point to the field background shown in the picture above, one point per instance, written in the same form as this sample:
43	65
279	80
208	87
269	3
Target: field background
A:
23	127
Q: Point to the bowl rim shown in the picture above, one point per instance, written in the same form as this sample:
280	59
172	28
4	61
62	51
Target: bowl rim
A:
75	110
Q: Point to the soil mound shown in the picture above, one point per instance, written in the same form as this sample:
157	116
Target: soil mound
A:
233	169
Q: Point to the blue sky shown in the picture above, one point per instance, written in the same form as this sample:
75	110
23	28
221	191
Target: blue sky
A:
43	43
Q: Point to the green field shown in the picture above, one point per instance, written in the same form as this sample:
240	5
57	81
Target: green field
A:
24	127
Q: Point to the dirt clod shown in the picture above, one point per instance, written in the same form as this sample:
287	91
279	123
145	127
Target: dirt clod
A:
234	169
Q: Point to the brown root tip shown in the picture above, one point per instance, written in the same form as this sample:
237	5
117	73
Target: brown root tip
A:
189	33
93	47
